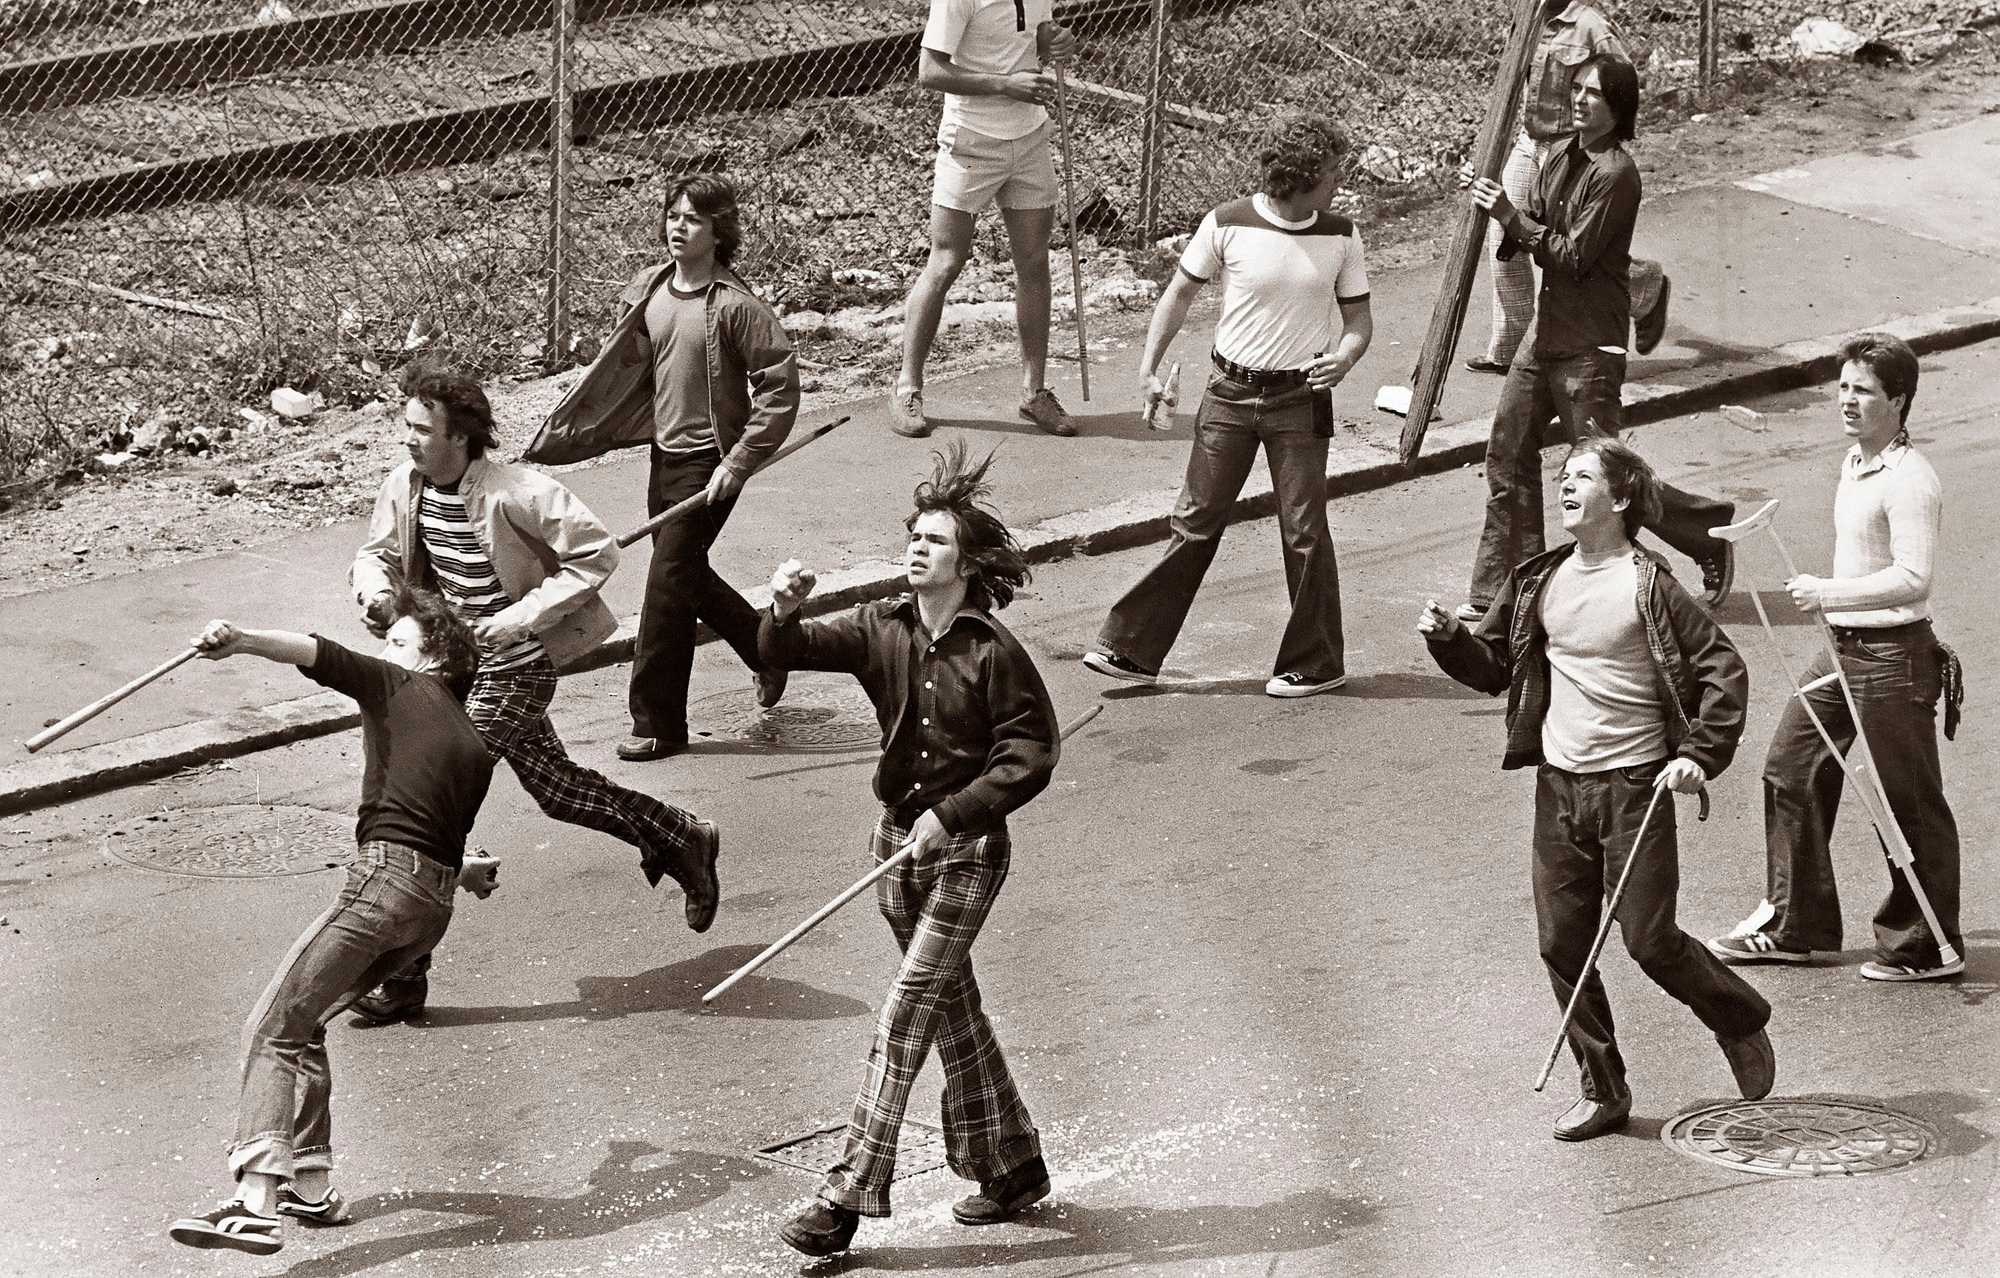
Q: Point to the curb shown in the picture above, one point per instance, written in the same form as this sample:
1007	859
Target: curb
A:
1135	521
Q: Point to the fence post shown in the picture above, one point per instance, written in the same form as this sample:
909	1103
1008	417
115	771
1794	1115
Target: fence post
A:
555	345
1709	40
1150	136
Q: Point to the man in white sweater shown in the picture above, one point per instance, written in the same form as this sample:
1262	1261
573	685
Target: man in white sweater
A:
1886	515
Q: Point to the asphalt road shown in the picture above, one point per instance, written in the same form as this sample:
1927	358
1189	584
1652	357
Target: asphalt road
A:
1266	971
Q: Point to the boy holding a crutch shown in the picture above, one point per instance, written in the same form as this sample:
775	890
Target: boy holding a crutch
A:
1585	638
968	736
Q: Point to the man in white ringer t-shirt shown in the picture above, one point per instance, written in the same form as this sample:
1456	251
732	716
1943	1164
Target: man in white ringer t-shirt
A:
1295	319
986	57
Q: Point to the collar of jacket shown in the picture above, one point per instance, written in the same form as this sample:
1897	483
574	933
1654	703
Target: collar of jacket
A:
906	607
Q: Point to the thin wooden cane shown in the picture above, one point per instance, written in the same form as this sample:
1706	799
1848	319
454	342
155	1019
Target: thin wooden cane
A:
860	885
1069	214
700	499
108	700
1496	136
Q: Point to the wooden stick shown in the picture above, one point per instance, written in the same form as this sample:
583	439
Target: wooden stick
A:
144	299
1490	156
108	700
860	885
700	499
1069	212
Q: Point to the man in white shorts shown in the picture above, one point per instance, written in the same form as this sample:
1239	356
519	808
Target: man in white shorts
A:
986	57
1295	319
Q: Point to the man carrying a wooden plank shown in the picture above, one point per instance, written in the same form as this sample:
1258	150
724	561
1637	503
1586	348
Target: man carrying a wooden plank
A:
699	371
968	736
986	57
1578	228
1295	319
521	559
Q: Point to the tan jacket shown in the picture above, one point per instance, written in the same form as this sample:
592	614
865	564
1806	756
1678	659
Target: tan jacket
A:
551	554
753	382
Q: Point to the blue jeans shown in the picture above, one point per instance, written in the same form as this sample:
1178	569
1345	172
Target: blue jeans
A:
1234	419
1897	679
1581	391
393	908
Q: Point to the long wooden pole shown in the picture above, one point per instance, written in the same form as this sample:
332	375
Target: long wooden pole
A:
866	881
108	700
700	499
1489	157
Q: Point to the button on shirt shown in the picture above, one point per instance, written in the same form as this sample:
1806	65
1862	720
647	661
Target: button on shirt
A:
968	730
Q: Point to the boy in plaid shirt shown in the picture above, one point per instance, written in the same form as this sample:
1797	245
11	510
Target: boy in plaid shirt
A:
968	736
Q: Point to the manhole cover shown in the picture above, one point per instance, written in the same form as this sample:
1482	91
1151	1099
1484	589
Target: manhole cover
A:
235	841
1800	1137
919	1149
816	714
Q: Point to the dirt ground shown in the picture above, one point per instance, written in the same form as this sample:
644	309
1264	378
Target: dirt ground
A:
275	477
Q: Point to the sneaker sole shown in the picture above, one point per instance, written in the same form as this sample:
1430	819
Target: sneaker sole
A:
211	1239
1021	1203
1770	956
1091	660
317	1218
1927	974
1304	690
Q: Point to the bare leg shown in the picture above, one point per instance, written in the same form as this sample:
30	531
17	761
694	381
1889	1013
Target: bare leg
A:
1028	234
951	245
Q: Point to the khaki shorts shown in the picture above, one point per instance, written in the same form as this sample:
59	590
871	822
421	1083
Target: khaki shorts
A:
974	170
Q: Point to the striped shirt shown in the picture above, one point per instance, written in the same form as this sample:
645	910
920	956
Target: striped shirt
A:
1886	516
465	574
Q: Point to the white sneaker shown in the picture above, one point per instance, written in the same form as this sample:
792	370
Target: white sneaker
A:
1758	917
1875	970
1298	685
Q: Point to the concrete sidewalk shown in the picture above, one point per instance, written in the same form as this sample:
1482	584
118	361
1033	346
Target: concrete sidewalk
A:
1768	274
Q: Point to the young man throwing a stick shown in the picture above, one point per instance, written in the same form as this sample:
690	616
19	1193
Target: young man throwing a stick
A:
1886	517
968	736
1585	639
986	57
1295	319
1578	228
424	774
521	559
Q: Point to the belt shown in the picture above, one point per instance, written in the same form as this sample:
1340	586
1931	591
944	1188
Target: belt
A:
1236	372
421	865
1907	630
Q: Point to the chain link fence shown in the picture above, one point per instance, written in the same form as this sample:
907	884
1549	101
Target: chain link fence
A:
202	200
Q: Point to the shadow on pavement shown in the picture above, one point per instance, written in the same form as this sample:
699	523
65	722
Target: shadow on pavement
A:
1125	425
1405	686
617	1196
1142	1237
677	987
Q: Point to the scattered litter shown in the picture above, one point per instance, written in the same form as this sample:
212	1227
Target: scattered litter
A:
1748	418
286	402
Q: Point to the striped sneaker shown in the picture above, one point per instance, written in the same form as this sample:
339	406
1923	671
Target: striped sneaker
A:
330	1210
1876	970
1757	947
231	1225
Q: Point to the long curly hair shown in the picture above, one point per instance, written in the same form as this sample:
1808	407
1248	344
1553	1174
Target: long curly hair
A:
991	559
446	388
448	640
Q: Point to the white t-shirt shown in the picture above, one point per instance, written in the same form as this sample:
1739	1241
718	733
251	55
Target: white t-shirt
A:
1282	282
996	37
1604	696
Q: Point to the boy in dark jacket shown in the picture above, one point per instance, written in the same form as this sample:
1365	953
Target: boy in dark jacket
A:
1618	684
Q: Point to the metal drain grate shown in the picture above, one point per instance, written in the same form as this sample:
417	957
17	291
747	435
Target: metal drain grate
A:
919	1149
824	713
235	841
1802	1137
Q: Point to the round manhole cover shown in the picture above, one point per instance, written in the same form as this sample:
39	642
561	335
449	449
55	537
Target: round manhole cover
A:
816	714
235	841
1800	1137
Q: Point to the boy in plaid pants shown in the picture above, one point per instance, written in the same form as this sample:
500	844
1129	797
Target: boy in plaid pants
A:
968	736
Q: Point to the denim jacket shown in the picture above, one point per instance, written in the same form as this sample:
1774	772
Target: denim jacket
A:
753	381
1702	680
1568	38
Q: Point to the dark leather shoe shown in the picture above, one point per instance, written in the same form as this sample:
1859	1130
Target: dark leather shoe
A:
1648	329
1718	575
1481	364
1588	1118
770	687
1003	1199
704	891
821	1230
1754	1062
391	1001
641	749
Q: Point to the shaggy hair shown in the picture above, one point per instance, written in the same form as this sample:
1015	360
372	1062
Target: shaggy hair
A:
715	199
1629	477
448	640
1620	81
987	553
1894	365
1296	152
448	389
